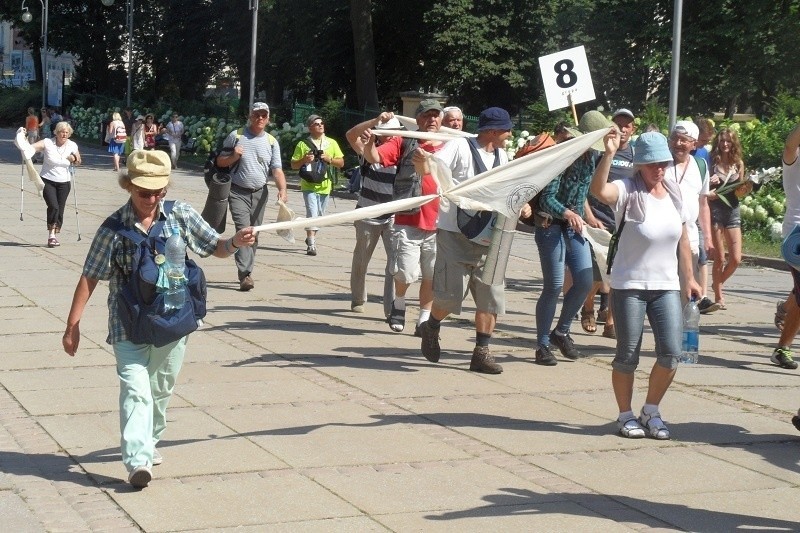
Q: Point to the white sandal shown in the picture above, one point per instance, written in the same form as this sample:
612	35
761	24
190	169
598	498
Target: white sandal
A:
655	426
631	428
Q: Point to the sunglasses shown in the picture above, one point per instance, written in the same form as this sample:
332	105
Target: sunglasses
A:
146	194
260	115
317	123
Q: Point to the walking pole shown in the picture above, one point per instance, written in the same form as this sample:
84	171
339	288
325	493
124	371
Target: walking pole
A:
75	198
22	190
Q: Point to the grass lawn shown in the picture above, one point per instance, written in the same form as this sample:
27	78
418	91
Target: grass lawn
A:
758	245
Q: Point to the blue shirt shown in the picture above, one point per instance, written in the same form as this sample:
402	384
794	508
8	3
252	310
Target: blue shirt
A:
110	255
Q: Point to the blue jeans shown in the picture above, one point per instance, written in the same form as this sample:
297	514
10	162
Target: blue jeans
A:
315	206
560	246
663	310
146	380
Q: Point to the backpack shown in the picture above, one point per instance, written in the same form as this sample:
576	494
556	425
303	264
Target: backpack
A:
703	166
211	169
407	183
120	134
140	306
317	170
477	226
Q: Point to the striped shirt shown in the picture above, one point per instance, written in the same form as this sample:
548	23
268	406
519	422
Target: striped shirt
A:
110	256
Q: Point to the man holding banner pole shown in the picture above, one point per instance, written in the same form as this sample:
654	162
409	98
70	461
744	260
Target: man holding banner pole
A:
459	260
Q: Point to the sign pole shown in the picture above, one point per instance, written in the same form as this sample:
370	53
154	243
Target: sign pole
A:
572	106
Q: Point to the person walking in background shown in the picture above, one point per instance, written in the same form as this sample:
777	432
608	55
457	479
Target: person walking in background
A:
705	250
116	136
256	156
316	147
150	131
691	175
726	221
174	131
59	154
561	245
621	167
644	280
147	373
790	319
376	188
453	118
32	126
137	133
413	233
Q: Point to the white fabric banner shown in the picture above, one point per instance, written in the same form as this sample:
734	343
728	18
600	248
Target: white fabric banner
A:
412	125
599	239
504	189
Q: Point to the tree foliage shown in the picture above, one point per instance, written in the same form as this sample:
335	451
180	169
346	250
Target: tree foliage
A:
735	55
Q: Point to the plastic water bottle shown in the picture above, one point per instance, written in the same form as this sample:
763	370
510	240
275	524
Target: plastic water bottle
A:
175	252
691	332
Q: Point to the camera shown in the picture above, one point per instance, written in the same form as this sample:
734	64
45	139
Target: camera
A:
317	154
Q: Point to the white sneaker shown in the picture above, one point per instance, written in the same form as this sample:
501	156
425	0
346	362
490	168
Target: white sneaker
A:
140	476
157	458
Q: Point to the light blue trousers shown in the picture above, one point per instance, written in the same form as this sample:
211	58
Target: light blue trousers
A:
146	380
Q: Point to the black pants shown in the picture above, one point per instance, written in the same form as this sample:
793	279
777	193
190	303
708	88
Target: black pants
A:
55	196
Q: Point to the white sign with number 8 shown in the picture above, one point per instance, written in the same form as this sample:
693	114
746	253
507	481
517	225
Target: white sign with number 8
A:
566	77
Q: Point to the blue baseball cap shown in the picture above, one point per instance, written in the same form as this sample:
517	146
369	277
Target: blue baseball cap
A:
494	118
651	147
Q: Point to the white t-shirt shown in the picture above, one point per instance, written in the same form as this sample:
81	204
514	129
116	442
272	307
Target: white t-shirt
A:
56	166
457	156
692	187
791	186
647	257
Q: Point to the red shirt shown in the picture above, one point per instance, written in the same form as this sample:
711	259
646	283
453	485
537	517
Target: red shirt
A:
426	217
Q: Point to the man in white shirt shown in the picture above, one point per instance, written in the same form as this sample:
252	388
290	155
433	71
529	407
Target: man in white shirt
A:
459	260
693	182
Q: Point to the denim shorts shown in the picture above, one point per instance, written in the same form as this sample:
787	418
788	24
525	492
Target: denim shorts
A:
663	311
315	206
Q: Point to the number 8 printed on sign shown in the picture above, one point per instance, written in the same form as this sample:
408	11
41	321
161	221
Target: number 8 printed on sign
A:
566	78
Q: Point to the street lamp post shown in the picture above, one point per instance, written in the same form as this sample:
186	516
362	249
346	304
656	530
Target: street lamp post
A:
129	15
254	9
27	17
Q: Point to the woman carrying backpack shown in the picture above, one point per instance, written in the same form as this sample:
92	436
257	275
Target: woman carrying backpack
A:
116	135
147	372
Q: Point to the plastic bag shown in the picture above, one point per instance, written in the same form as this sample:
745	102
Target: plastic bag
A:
285	214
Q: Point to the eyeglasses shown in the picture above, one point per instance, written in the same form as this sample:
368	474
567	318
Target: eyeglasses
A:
146	194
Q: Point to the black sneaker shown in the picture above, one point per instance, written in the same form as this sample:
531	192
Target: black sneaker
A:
796	421
545	357
430	342
707	306
566	345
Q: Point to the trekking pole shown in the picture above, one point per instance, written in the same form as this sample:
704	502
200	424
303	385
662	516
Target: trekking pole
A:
75	198
22	189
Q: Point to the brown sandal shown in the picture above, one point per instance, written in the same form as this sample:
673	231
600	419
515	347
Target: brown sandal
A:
609	332
587	321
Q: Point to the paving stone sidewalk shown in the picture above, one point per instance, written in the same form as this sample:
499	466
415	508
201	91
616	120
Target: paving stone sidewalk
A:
293	414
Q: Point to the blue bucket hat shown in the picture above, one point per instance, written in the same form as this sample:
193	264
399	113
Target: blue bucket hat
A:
494	118
651	147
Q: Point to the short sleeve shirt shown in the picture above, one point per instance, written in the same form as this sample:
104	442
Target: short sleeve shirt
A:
261	154
110	256
332	149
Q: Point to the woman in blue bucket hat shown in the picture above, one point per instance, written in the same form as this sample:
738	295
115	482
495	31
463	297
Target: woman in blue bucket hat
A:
651	221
